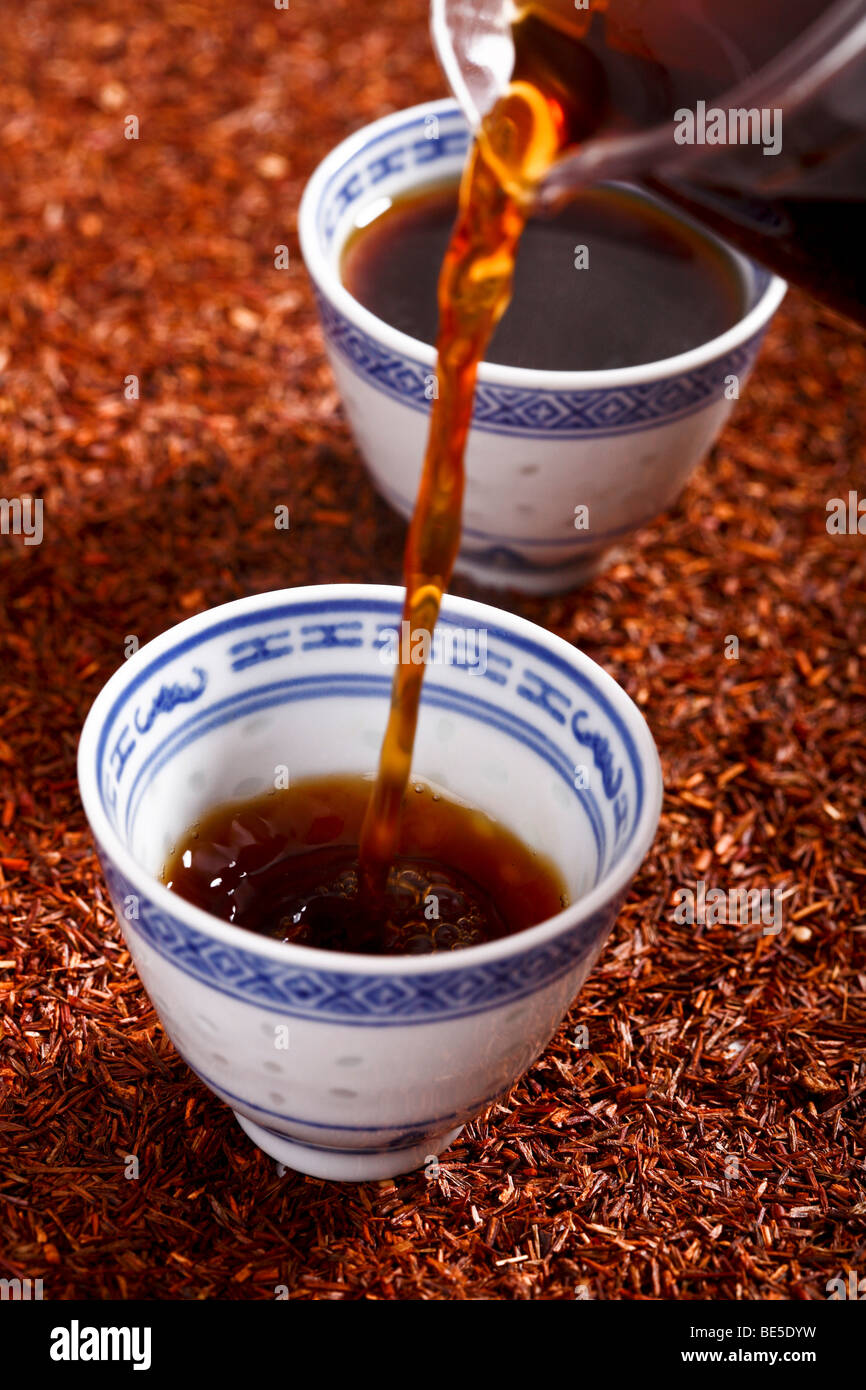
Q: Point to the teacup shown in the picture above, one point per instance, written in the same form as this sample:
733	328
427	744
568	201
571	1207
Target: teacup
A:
620	443
342	1065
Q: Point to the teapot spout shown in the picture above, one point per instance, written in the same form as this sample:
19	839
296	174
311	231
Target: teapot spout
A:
474	45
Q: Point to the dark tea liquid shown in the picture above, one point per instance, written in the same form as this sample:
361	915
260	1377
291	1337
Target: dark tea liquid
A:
623	66
285	865
609	281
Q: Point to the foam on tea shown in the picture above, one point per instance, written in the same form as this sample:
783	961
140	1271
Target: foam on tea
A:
611	280
285	865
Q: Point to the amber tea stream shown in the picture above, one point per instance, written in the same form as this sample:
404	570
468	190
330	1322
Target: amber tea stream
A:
339	880
517	144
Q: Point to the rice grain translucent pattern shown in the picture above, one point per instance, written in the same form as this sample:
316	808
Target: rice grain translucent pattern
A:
203	714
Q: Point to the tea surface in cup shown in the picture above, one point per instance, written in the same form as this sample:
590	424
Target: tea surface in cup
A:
611	280
285	865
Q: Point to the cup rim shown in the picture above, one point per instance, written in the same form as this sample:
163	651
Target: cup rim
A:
326	277
616	880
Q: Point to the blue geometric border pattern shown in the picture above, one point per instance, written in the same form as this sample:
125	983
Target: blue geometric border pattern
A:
341	996
394	151
252	700
541	414
309	608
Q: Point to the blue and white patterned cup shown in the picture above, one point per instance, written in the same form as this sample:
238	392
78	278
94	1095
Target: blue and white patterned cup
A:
621	443
342	1065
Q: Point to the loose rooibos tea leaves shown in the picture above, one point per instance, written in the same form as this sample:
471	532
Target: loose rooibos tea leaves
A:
285	865
610	281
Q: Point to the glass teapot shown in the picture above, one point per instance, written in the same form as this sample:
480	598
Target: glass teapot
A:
751	114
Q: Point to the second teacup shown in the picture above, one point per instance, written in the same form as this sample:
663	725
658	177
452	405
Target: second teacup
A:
560	465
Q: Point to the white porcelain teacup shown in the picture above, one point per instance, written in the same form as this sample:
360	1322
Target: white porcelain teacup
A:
341	1065
620	443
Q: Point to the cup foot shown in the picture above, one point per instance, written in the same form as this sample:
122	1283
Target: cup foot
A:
341	1165
529	580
